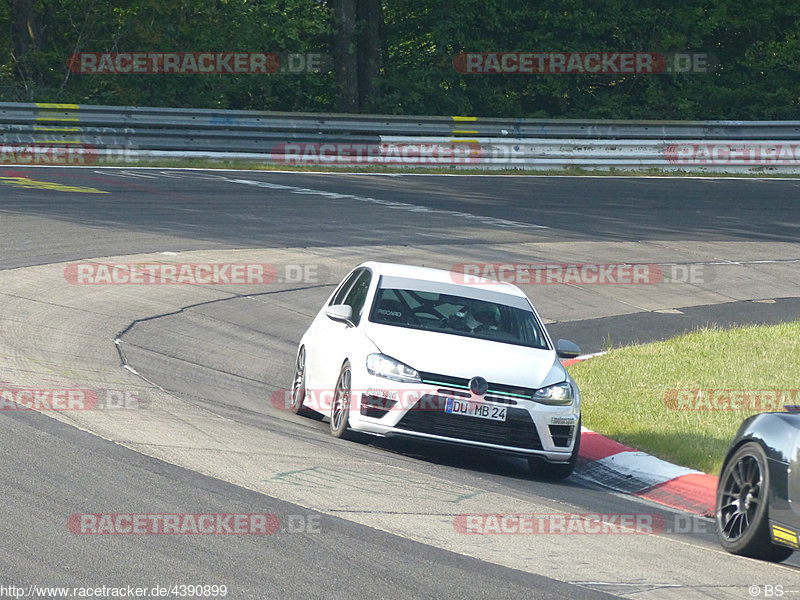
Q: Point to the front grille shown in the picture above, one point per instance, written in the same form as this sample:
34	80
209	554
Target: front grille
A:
495	389
456	393
428	416
562	434
499	399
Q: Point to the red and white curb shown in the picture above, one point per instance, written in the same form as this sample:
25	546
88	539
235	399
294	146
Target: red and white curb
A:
611	464
621	468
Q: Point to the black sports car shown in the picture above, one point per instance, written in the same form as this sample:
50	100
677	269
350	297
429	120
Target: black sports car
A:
758	494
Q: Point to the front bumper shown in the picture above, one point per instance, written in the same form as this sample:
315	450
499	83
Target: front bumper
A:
417	411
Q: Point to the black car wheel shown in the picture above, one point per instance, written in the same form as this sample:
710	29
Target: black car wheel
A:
742	506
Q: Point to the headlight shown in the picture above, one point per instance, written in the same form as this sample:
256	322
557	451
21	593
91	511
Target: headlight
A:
384	366
559	394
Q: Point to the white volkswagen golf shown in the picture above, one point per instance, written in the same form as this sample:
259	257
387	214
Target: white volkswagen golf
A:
399	350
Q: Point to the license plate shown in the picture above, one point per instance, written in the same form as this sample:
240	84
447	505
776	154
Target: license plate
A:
475	409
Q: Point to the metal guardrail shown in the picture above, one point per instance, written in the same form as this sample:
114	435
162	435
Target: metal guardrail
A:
132	133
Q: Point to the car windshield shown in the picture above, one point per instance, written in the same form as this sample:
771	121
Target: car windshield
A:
457	315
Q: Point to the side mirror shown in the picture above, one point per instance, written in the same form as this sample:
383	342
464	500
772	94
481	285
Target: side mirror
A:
340	312
567	349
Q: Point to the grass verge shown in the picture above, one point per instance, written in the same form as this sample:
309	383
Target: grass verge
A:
647	396
571	171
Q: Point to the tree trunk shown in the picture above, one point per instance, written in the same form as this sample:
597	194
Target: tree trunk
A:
23	34
370	16
344	54
22	26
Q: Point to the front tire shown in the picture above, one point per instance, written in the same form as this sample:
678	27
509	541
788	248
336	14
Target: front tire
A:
340	407
541	468
742	522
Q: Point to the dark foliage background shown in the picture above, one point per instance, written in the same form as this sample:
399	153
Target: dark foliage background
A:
411	50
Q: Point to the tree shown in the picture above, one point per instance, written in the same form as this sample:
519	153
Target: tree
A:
397	56
24	34
344	54
356	52
370	27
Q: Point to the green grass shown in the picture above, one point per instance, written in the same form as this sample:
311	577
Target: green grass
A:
626	393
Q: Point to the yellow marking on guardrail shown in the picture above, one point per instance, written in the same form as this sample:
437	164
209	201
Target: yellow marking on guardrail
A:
55	117
46	115
24	182
52	105
55	142
463	141
59	129
464	131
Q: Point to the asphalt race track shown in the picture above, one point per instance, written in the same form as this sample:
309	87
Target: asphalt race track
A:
207	366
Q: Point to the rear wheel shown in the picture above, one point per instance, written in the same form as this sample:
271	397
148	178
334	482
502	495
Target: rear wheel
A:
299	383
742	506
542	468
299	388
340	407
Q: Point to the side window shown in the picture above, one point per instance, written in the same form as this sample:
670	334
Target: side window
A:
358	295
338	297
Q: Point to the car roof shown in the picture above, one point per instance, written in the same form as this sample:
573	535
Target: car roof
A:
441	276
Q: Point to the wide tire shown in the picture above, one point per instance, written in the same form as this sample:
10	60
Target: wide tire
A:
340	407
299	388
556	471
742	521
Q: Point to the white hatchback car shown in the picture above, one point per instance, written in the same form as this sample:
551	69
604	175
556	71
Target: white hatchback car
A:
399	350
